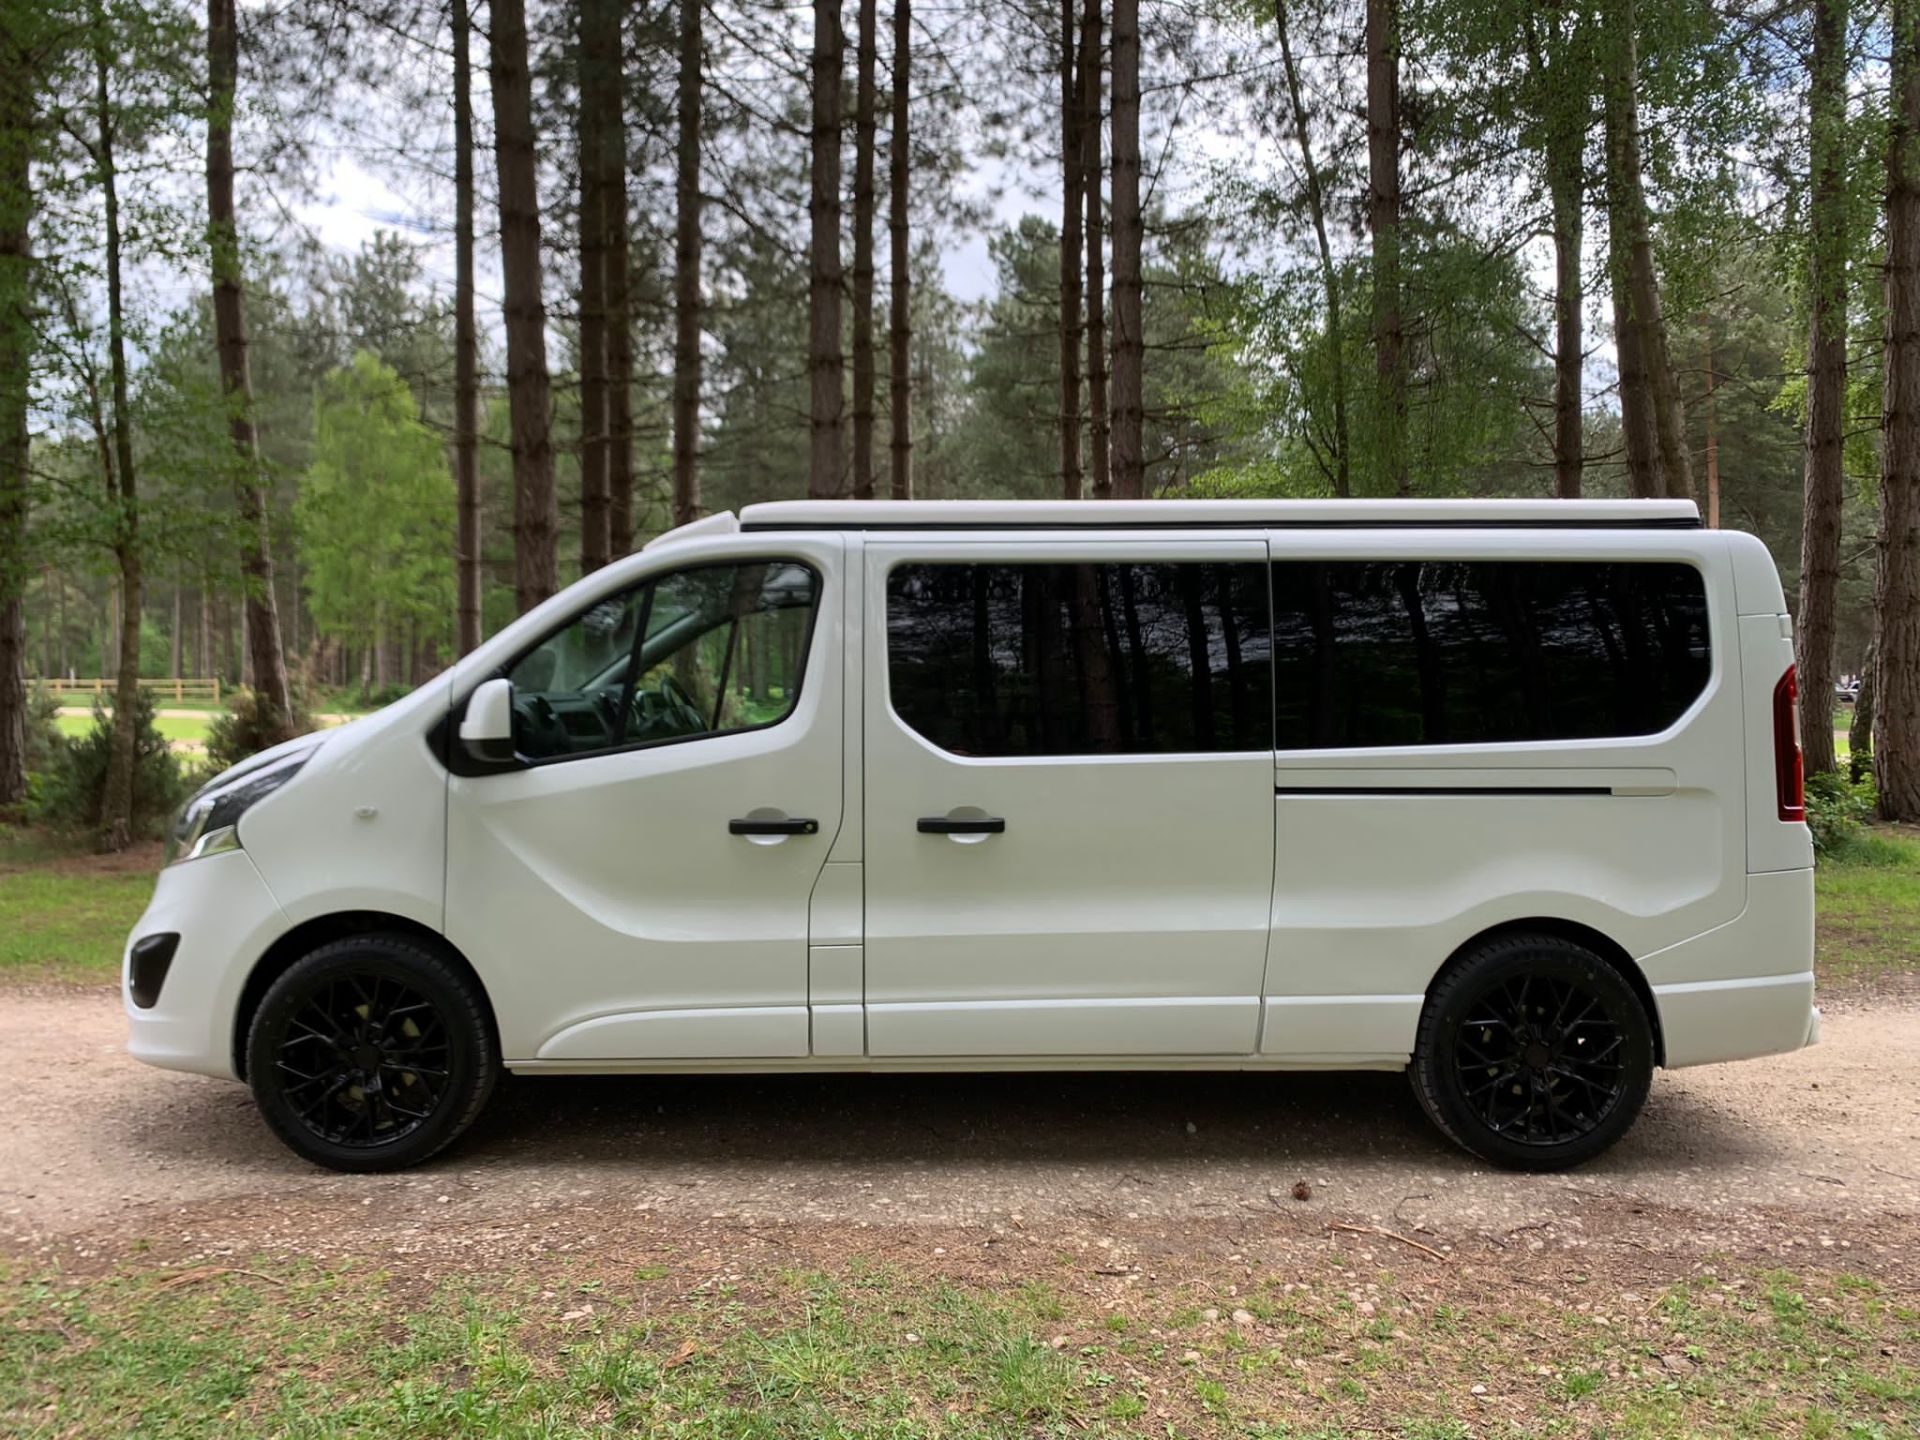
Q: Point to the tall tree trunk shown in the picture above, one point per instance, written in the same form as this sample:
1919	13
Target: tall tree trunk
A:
1860	732
1383	220
1341	471
1092	166
1128	443
536	510
17	80
1713	440
900	319
1636	400
619	335
1627	190
264	652
1896	590
1569	297
1564	154
116	805
866	59
686	273
1072	156
603	145
203	642
466	342
1826	384
825	362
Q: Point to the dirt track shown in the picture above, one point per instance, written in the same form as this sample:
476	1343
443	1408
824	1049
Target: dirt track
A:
95	1149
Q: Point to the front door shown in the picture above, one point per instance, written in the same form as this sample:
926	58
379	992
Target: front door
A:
1069	797
637	886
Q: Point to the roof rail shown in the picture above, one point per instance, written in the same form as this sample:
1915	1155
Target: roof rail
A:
922	515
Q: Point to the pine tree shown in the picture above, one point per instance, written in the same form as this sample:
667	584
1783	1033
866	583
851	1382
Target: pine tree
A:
266	659
1128	454
826	363
1825	468
536	511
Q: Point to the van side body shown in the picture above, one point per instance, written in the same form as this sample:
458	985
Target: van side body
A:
1224	785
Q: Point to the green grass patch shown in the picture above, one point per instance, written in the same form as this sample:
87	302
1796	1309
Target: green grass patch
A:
1869	908
162	700
171	727
65	922
863	1350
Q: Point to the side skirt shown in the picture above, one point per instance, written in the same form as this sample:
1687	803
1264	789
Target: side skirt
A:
917	1064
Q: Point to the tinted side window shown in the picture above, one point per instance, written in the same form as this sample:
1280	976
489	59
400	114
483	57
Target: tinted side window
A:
1081	659
1372	653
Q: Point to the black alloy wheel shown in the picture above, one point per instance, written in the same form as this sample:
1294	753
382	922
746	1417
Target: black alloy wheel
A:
1533	1052
371	1053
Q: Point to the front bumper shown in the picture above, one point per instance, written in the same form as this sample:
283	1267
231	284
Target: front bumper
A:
226	918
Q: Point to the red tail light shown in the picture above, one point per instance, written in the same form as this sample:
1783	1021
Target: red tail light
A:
1789	770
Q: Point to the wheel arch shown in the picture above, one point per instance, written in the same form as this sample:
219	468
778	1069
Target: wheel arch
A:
310	935
1600	943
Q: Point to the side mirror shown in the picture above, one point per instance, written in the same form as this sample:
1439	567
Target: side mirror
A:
486	730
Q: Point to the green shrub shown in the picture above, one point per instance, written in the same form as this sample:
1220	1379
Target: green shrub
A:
68	793
378	697
44	740
249	725
1838	809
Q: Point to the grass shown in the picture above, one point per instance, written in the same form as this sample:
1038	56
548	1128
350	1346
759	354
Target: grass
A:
60	920
1869	908
162	700
171	727
853	1348
64	919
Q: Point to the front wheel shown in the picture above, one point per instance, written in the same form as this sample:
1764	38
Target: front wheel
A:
1533	1053
371	1053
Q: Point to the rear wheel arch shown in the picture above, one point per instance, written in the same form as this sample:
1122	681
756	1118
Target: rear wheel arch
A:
1600	943
303	939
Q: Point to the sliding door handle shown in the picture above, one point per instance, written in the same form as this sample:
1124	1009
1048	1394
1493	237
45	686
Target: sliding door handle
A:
773	827
947	825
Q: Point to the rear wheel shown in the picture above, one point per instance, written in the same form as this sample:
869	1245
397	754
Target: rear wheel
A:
1533	1053
371	1053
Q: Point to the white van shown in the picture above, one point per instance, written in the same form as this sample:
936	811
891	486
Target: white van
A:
1503	793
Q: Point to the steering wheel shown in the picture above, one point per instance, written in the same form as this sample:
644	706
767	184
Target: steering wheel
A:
680	704
545	735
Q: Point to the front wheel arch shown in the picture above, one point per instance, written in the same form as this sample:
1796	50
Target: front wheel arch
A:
309	935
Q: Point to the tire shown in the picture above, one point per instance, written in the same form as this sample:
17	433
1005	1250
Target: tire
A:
371	1053
1533	1053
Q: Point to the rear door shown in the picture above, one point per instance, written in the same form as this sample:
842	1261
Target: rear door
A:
1069	811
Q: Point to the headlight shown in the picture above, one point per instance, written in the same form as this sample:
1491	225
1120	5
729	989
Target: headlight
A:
206	823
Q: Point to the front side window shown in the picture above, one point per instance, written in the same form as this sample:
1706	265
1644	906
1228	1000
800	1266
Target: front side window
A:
706	651
1374	653
1007	658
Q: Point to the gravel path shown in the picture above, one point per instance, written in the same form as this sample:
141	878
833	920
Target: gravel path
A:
95	1145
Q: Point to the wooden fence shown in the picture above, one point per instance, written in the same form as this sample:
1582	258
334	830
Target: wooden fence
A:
178	691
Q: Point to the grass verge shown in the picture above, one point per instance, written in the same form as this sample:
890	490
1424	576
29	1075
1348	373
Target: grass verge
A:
171	727
1869	908
862	1349
64	911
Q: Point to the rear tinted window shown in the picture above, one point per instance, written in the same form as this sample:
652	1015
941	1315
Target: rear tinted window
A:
1081	659
1373	653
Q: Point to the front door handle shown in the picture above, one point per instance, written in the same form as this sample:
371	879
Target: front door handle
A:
773	827
947	825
